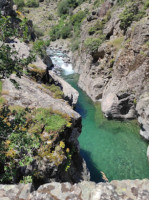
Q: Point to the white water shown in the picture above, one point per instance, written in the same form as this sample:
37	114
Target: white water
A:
59	63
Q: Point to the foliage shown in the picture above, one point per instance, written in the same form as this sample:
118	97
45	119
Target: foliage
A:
66	6
75	44
99	24
130	14
53	122
9	60
116	42
97	3
56	91
32	3
77	18
21	141
92	44
26	180
19	3
65	29
39	47
146	4
35	72
38	32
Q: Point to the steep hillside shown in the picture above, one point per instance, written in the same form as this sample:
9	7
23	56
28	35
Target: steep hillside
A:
38	127
108	44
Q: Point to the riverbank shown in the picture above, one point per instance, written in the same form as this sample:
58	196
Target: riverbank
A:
112	146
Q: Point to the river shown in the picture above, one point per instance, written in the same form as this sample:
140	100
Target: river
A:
112	146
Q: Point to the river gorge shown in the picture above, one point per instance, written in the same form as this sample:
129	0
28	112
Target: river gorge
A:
111	146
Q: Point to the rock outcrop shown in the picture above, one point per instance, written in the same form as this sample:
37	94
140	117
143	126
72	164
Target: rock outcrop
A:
121	190
70	94
29	91
6	8
118	72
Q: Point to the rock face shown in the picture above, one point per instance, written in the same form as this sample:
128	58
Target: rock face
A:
6	7
118	72
121	190
31	93
70	94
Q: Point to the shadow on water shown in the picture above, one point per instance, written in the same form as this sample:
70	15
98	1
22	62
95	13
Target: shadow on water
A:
95	173
80	109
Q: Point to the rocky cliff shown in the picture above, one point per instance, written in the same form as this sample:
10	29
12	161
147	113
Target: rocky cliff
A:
39	128
117	71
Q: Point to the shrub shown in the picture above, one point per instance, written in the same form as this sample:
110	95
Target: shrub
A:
62	29
56	91
116	42
54	122
19	3
32	3
130	14
63	7
39	47
55	32
38	32
99	24
74	44
92	44
66	31
97	3
50	17
146	4
77	18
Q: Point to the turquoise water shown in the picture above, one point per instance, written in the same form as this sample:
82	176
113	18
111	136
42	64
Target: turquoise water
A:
114	147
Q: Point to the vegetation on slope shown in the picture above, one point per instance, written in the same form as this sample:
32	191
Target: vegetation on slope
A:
27	135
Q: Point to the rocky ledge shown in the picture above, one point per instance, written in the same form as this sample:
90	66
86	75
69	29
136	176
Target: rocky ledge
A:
115	190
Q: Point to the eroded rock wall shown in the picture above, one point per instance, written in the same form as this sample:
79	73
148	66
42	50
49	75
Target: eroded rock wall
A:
118	73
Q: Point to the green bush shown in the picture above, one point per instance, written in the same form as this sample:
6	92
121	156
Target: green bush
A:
66	31
146	4
77	18
74	44
39	47
92	44
65	6
99	24
53	122
67	28
19	3
55	32
61	30
130	14
32	3
38	32
56	91
97	3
